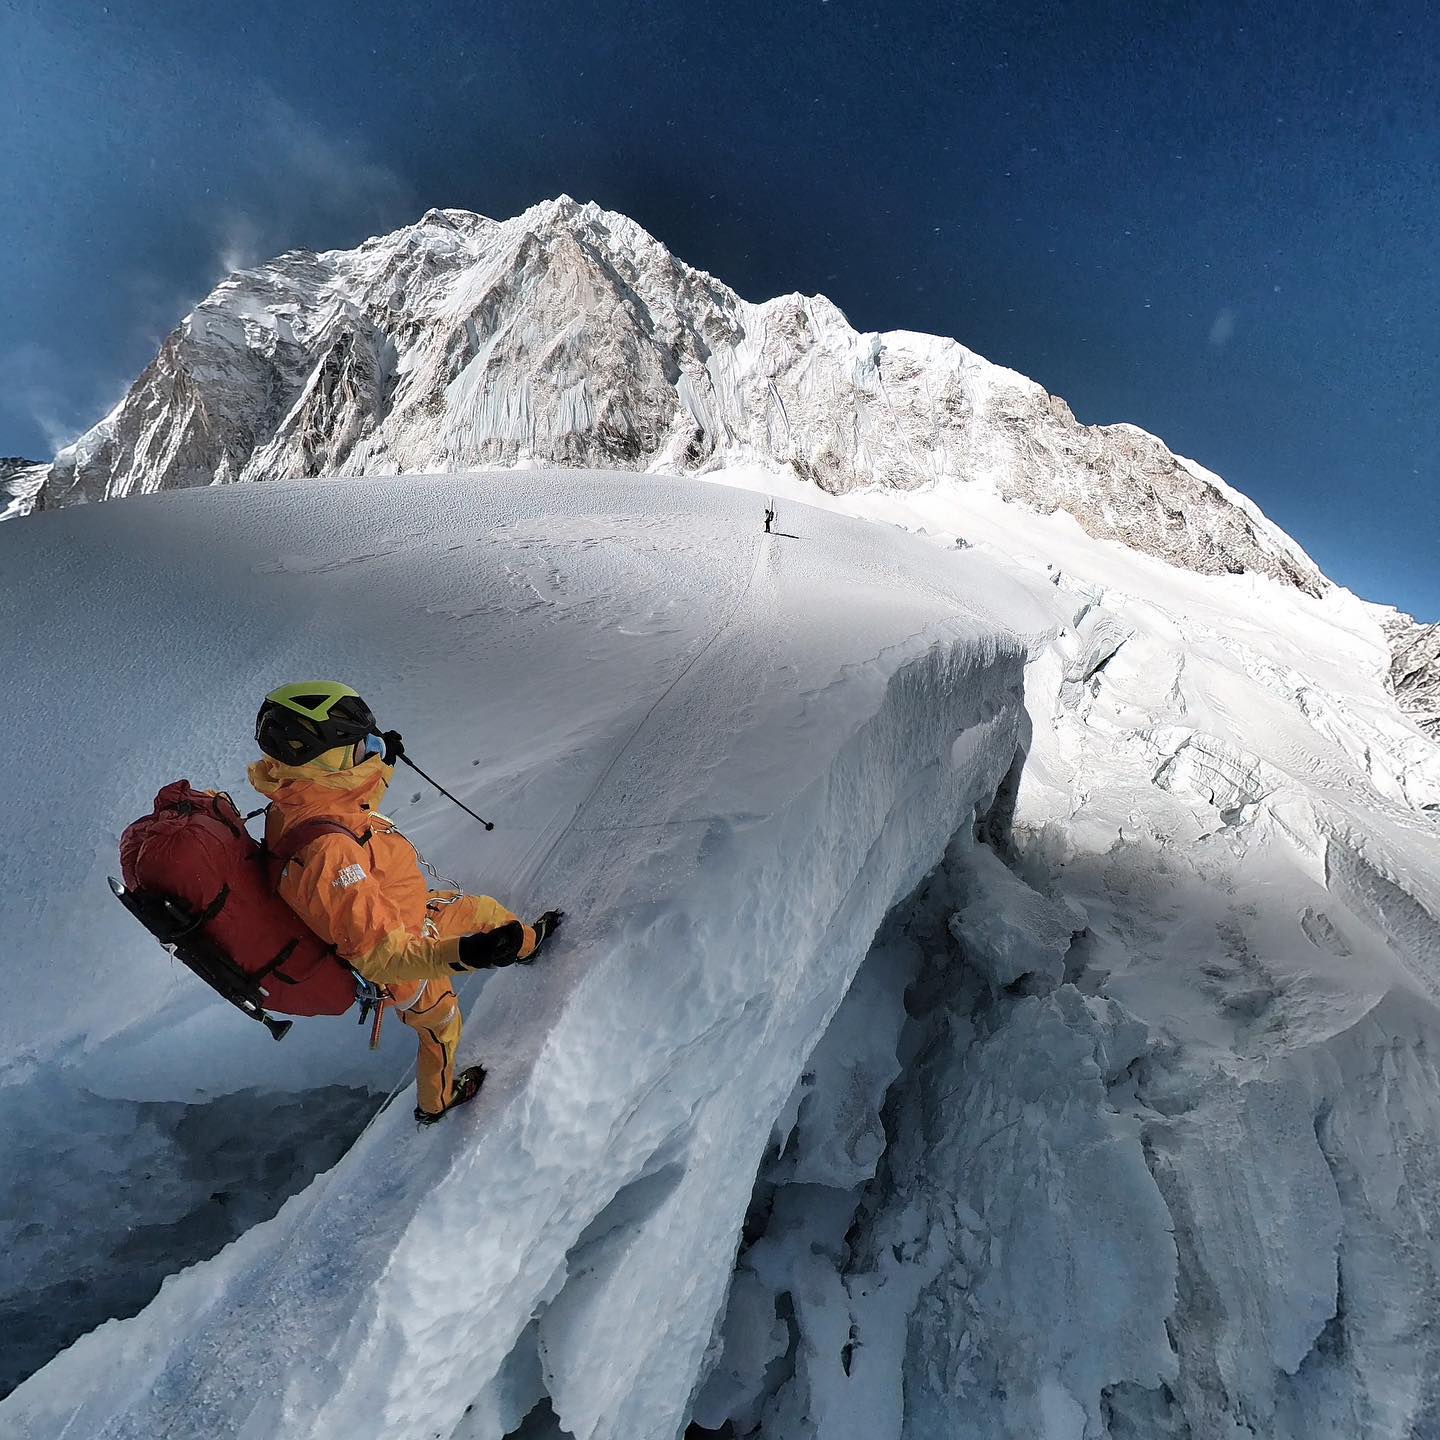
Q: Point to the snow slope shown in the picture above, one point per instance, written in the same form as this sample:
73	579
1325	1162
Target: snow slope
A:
1000	996
726	755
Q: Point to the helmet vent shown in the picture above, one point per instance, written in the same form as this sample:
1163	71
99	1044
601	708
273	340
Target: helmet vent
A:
296	724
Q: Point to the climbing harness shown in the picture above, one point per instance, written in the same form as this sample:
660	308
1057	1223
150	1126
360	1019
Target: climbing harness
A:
372	997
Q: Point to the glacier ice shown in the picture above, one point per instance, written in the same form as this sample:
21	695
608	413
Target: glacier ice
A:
144	1188
751	746
1002	992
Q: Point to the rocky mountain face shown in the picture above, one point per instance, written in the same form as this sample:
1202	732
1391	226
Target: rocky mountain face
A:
569	335
1415	671
20	481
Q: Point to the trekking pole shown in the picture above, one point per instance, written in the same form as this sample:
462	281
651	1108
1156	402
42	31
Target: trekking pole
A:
403	756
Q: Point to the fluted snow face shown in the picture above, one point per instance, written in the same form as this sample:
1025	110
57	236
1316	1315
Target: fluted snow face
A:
568	335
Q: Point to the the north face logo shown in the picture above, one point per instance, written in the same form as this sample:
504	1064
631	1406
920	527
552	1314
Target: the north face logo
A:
350	875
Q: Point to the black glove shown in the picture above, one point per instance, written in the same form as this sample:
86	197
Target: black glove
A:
394	748
490	949
544	928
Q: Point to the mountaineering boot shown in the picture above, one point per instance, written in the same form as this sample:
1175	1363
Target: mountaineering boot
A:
467	1087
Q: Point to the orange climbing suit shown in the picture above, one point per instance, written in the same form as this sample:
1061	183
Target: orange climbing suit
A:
368	898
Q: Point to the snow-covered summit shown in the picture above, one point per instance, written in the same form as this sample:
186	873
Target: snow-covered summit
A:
569	335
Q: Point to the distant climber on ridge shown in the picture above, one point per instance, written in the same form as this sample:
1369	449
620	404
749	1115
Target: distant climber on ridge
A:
769	516
359	885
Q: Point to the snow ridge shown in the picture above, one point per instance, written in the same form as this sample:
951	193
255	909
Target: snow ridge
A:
736	744
568	335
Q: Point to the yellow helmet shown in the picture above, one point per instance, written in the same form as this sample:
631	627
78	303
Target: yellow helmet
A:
298	722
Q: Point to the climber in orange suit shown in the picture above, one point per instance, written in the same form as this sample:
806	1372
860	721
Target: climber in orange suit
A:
362	890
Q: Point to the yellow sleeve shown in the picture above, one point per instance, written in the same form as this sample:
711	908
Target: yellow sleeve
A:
491	914
329	886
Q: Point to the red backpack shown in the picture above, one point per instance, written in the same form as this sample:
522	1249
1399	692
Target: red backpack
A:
206	889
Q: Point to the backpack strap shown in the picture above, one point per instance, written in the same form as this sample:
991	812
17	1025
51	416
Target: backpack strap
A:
297	837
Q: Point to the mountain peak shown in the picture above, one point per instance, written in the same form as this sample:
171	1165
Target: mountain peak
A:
569	334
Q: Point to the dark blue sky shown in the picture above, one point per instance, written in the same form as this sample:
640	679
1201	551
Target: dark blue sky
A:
1218	222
